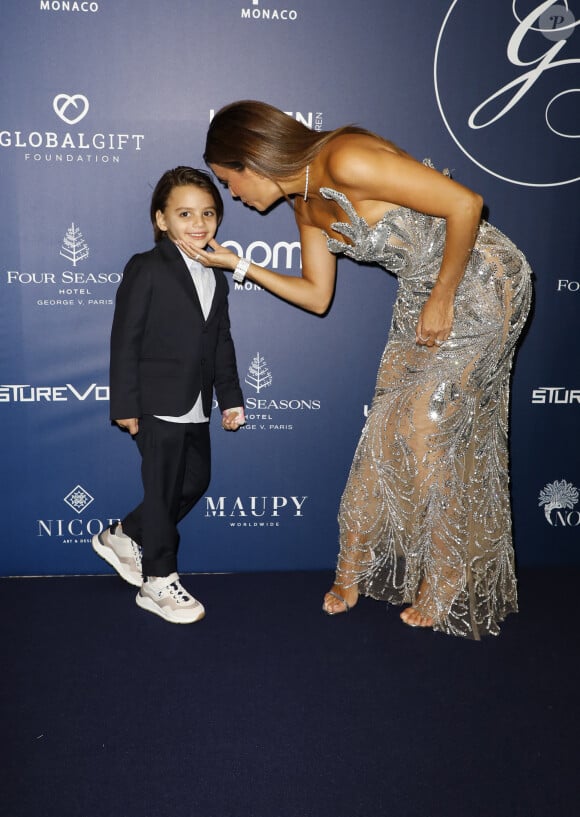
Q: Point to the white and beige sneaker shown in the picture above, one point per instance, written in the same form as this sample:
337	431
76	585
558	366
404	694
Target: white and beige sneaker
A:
166	597
121	552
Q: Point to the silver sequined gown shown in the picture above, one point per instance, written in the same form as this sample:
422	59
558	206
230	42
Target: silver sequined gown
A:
425	516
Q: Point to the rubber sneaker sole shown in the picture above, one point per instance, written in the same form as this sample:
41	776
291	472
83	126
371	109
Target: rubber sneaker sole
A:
193	615
109	555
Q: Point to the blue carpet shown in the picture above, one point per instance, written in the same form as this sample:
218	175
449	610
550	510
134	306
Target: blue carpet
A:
268	708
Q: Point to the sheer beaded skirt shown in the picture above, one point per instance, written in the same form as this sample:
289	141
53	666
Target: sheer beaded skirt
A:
425	517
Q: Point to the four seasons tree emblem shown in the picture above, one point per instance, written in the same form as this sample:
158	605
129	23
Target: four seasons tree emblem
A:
259	376
74	247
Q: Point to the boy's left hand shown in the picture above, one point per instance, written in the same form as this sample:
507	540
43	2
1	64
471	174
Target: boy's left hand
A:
233	418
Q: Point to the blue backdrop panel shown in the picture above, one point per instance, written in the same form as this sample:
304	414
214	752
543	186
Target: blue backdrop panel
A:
100	97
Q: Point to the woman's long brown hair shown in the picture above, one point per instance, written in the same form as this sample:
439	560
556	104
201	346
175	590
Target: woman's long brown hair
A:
264	139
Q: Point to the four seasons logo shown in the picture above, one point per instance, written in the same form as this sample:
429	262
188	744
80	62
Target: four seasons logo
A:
88	146
272	413
69	287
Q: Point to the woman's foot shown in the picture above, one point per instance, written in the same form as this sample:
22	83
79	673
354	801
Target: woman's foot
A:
339	600
414	618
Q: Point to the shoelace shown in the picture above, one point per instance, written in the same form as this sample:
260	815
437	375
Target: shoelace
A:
136	554
178	593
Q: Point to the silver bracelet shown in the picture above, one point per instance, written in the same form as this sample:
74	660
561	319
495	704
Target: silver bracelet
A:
241	269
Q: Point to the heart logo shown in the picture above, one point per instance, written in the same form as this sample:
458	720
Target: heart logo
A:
62	102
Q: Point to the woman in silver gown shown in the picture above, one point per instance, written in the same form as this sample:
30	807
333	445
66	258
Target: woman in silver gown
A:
425	516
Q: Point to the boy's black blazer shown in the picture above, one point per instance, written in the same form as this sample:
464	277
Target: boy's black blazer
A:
163	351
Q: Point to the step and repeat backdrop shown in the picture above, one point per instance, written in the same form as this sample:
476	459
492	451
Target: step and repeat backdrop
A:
100	97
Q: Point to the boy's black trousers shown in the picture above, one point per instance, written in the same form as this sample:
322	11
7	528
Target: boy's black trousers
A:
176	471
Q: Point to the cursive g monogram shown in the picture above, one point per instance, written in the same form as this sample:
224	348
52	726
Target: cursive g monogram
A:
62	102
506	83
520	86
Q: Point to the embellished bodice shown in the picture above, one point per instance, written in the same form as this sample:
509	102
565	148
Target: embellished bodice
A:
411	244
403	241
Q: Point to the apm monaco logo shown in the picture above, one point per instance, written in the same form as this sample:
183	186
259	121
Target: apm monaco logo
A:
271	413
71	146
73	530
516	73
259	10
255	511
282	255
555	395
558	500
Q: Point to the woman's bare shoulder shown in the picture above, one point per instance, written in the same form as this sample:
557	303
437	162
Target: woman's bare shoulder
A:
353	154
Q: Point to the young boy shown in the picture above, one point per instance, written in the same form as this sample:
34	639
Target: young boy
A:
170	347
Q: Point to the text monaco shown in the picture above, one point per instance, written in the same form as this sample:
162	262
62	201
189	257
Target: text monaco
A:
254	506
67	5
269	14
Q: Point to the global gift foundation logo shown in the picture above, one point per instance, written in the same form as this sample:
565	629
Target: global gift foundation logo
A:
504	71
62	103
558	500
69	146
